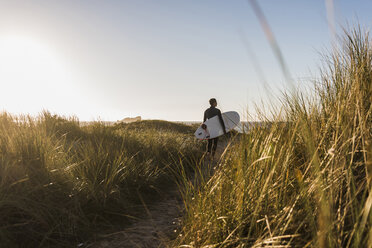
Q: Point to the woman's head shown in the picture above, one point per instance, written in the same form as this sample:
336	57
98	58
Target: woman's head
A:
213	102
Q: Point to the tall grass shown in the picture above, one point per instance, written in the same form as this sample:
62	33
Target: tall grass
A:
60	183
305	179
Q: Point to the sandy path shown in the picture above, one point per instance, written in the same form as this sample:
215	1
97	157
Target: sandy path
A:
159	225
156	227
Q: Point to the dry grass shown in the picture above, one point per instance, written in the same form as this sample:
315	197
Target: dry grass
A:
303	181
61	183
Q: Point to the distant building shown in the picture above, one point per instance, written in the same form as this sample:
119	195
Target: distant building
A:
130	120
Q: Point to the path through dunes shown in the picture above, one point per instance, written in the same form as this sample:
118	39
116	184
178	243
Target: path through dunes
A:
155	228
161	222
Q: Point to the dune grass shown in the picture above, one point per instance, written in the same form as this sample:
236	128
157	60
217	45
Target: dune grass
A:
302	181
305	179
60	182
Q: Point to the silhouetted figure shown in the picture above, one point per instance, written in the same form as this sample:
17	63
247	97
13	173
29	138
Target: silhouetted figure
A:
209	113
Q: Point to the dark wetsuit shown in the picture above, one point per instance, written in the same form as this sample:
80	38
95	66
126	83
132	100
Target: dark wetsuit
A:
209	113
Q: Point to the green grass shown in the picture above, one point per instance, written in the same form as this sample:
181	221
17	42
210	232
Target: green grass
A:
61	183
304	180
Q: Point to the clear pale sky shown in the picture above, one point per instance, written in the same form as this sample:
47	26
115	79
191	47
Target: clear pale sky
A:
160	59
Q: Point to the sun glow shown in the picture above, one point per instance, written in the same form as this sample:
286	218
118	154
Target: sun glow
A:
32	76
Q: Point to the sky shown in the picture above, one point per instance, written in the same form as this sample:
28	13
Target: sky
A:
163	59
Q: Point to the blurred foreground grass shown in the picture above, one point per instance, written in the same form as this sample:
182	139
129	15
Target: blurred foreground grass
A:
305	179
60	182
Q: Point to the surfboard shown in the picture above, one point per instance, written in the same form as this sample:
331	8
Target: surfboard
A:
213	126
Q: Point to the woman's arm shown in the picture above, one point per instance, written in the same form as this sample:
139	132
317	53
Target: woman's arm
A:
221	121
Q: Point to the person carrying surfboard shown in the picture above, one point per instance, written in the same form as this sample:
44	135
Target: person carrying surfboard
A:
209	113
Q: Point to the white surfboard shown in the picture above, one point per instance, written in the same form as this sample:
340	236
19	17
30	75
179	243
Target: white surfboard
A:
213	126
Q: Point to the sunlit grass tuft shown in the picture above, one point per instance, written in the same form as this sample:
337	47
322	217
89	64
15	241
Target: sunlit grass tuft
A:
301	182
61	183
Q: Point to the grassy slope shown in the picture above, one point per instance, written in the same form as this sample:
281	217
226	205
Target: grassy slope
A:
60	182
304	181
